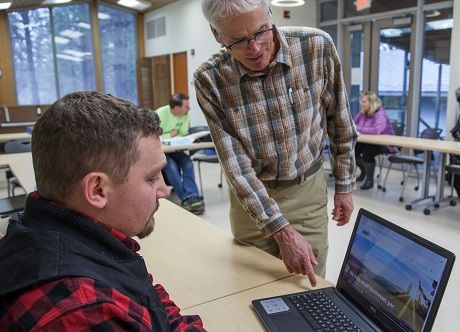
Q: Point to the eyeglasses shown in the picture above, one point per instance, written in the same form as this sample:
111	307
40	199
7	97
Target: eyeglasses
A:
260	37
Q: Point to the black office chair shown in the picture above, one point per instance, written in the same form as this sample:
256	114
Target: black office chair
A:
454	170
16	146
398	128
412	161
204	158
10	205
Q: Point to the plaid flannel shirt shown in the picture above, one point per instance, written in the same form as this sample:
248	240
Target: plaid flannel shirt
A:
83	304
275	126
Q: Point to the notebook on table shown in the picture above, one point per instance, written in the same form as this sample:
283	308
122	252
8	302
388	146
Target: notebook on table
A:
391	280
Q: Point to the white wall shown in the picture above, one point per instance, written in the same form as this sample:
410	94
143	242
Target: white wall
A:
187	29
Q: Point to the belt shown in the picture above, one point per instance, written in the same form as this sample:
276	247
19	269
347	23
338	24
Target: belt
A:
273	184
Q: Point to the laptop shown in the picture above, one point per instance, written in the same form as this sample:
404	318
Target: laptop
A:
391	280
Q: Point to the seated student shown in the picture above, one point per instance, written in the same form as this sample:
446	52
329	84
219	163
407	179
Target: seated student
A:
372	119
175	121
71	259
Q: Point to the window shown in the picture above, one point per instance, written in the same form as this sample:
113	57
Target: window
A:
118	38
73	39
53	52
33	60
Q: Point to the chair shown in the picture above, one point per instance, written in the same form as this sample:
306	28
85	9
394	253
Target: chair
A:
412	161
398	128
204	158
455	171
16	146
10	205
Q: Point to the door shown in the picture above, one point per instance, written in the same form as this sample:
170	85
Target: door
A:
161	80
180	70
378	54
144	82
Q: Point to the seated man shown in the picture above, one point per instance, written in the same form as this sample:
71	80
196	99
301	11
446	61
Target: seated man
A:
175	121
70	257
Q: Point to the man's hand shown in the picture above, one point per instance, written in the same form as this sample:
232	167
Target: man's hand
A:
296	253
343	207
174	132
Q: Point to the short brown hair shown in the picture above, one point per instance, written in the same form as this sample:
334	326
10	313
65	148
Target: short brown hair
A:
177	99
85	132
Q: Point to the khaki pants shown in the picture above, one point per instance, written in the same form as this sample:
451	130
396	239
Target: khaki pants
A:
304	206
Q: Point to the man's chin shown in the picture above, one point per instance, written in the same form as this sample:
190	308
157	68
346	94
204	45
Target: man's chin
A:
147	230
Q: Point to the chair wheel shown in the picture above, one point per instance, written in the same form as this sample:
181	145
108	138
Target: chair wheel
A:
453	203
220	185
379	186
401	199
436	205
402	182
416	188
408	207
426	211
384	189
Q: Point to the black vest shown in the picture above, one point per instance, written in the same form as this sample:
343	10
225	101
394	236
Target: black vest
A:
51	242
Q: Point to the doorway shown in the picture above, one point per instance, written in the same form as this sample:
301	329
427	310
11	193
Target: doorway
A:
379	58
381	55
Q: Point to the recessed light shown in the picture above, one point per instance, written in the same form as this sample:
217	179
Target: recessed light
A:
287	3
135	4
54	2
5	5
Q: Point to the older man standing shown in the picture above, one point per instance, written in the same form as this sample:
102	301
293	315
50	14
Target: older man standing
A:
271	98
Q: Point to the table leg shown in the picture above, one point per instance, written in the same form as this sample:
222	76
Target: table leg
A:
426	181
440	180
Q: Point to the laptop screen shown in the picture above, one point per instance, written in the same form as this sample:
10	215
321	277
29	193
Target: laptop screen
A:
392	273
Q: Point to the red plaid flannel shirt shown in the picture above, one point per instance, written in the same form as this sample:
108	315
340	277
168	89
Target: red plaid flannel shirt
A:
77	304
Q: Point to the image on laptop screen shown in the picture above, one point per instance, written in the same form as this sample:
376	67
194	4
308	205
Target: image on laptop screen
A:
395	274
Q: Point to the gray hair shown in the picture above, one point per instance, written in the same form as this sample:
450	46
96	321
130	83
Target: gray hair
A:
217	10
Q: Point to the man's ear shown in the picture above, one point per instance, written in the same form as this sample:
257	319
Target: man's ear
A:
95	189
216	36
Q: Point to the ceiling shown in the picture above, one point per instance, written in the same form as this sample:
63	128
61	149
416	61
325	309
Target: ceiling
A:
22	4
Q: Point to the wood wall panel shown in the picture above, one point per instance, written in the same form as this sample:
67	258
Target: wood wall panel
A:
7	88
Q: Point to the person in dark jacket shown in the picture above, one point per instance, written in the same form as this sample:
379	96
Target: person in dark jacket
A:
70	258
372	119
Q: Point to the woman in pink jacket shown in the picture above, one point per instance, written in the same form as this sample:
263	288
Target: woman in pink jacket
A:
372	119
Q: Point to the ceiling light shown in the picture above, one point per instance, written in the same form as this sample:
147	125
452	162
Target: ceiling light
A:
71	33
68	57
84	25
54	2
135	4
5	5
103	16
441	24
61	40
287	3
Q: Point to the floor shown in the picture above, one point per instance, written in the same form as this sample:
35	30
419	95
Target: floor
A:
441	227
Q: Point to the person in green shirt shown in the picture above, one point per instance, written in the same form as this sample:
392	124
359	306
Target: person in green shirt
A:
175	121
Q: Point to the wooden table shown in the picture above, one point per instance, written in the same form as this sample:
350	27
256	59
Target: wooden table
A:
235	312
14	136
198	262
21	166
428	146
193	146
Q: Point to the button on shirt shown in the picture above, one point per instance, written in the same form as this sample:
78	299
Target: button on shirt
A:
274	126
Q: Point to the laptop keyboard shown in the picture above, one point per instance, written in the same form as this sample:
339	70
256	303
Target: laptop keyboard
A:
322	313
